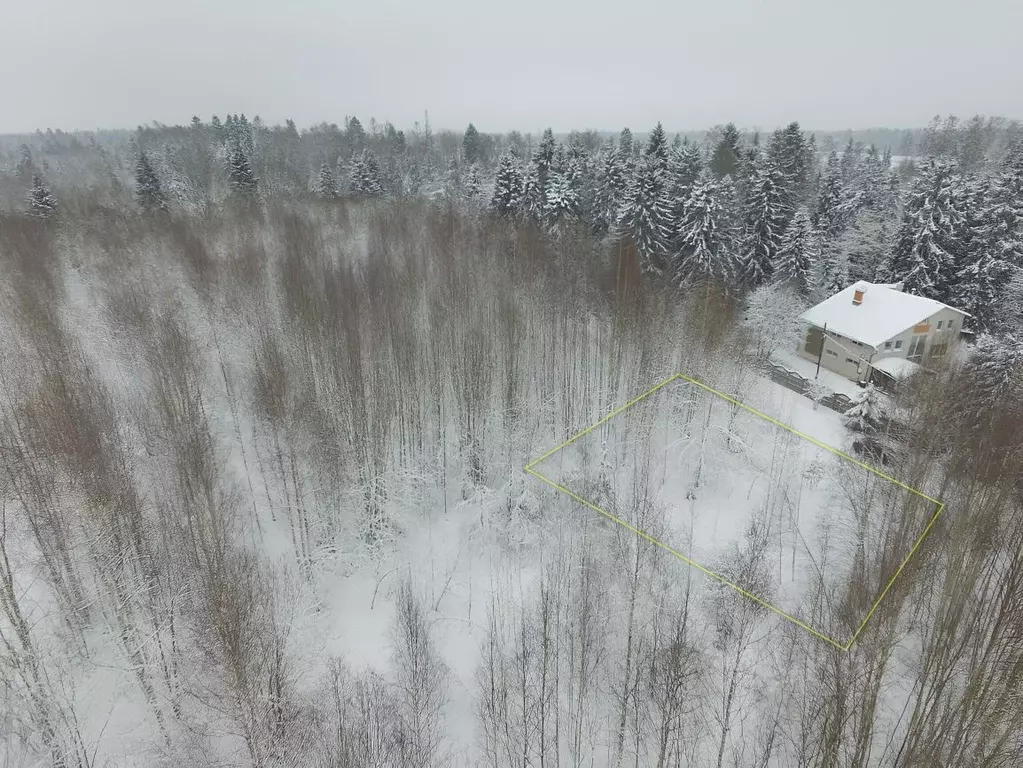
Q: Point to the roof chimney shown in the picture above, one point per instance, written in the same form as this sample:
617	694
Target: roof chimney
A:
858	291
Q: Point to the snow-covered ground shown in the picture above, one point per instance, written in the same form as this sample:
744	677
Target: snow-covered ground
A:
720	485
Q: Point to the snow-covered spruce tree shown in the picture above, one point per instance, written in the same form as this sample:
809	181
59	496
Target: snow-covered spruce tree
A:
851	165
148	191
41	202
798	254
831	275
326	183
240	174
472	189
610	189
657	146
835	207
867	411
1006	206
26	167
705	240
562	202
996	371
579	172
544	158
684	167
645	216
472	147
765	216
982	273
866	244
625	144
366	181
930	240
683	170
532	201
794	155
727	153
875	190
506	200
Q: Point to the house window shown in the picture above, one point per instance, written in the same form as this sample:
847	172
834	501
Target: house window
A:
950	324
939	349
898	343
887	345
940	323
851	360
831	352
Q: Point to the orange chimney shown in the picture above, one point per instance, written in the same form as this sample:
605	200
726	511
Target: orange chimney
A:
858	290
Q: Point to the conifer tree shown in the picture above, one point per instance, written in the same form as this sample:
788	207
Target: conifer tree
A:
366	181
532	200
866	244
471	145
148	190
835	208
562	201
982	272
25	167
625	144
996	371
355	134
832	274
867	411
41	202
218	130
765	215
242	179
684	167
1005	207
610	190
793	155
852	164
930	241
706	235
657	146
473	188
645	216
326	183
727	153
798	254
545	157
506	200
245	136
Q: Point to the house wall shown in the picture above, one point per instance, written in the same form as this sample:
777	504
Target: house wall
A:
847	357
947	335
841	355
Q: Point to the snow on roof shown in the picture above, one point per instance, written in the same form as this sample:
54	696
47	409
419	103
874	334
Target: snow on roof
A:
885	312
897	367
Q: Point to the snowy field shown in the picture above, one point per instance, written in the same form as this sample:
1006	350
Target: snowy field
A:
753	502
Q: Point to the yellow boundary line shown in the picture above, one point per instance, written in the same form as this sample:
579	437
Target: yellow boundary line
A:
940	506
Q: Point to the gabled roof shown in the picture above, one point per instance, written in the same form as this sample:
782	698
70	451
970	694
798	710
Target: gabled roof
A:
884	313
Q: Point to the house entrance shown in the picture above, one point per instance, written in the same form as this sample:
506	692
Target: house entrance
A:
916	348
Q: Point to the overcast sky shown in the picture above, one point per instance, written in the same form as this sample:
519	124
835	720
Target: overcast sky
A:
525	64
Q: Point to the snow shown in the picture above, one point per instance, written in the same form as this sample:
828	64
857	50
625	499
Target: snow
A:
884	313
897	367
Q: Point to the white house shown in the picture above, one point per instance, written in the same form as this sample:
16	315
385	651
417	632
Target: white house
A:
870	327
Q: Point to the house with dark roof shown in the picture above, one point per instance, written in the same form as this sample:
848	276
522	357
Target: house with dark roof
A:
871	329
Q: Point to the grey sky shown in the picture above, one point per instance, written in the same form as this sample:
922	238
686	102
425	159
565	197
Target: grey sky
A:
524	64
